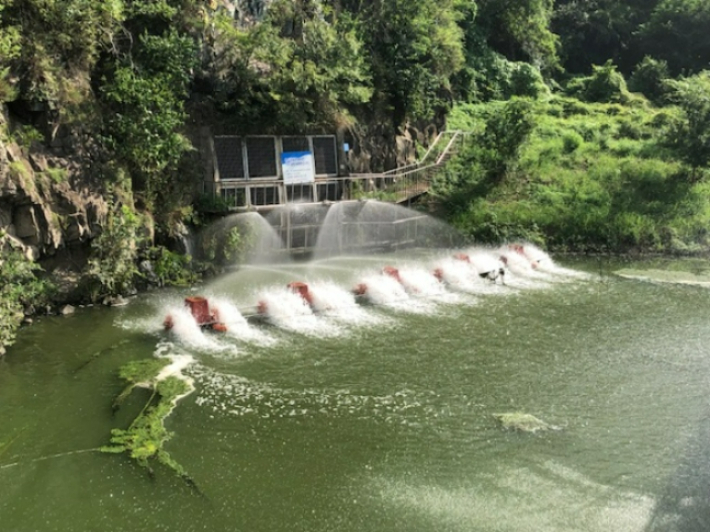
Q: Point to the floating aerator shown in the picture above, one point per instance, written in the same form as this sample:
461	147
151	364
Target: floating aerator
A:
204	316
296	287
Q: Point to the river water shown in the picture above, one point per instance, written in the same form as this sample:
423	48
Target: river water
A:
378	415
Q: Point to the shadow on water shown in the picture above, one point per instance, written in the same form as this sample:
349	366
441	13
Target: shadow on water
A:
684	506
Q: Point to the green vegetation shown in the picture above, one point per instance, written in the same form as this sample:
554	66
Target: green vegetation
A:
689	134
25	135
112	269
605	85
138	373
19	171
58	175
225	244
588	177
297	70
145	438
20	289
170	268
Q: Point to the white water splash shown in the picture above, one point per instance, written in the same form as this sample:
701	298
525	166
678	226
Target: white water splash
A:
465	277
238	327
384	290
520	272
519	264
189	333
422	283
335	309
288	310
546	264
337	303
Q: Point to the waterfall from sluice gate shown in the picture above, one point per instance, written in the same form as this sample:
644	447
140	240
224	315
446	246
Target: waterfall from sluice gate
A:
240	238
361	226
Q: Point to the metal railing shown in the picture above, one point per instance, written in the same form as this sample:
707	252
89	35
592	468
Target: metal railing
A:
400	185
405	183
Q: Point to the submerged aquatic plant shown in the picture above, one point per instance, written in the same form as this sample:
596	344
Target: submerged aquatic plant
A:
145	438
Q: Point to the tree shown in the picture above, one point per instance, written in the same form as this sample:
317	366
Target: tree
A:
678	33
298	69
520	30
145	95
487	159
9	52
111	269
649	78
48	50
506	131
595	31
689	136
414	49
20	289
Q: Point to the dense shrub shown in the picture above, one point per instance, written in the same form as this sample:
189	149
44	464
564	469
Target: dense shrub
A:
168	268
649	78
605	85
572	141
112	269
490	76
689	134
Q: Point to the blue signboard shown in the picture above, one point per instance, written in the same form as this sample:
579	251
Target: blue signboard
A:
298	167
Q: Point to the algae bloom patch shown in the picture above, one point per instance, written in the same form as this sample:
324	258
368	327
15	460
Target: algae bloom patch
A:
144	439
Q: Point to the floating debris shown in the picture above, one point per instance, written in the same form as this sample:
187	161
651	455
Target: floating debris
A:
523	422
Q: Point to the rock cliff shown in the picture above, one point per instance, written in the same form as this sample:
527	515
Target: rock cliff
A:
47	209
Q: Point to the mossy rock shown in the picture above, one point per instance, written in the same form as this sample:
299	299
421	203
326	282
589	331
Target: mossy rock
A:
521	422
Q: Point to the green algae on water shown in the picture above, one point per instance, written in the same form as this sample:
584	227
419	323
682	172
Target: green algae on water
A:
141	373
145	438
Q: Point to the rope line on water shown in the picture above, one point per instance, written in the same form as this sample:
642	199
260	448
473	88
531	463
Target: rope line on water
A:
49	457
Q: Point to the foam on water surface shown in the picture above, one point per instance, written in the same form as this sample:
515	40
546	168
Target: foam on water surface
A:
666	277
233	395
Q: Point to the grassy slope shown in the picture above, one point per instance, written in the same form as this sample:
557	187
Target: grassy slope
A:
590	177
